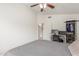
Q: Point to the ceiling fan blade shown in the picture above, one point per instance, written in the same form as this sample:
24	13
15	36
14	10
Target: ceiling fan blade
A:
34	5
51	6
42	9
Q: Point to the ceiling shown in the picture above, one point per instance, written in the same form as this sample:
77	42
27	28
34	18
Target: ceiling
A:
60	8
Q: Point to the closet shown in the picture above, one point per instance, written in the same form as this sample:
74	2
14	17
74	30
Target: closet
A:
70	31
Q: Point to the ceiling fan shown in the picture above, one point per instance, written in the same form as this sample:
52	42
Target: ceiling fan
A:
43	6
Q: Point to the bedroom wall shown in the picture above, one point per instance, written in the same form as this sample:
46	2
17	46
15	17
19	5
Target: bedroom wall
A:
17	26
51	23
56	22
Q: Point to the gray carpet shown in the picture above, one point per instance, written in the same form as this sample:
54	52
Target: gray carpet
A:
40	48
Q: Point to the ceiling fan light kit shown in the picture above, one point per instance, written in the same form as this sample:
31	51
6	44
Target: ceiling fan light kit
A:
43	5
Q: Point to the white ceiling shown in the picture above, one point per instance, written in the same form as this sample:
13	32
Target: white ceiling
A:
60	8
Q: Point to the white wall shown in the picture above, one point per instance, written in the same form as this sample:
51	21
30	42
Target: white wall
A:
17	26
77	35
56	22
